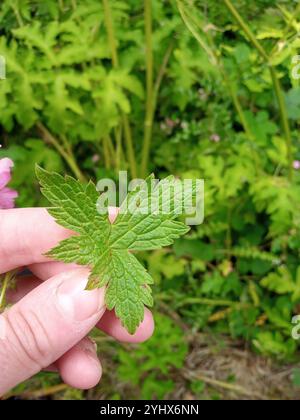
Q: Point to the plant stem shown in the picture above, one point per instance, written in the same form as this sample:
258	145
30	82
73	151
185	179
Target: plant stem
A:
111	149
284	119
69	158
3	291
150	116
289	25
216	60
275	79
61	5
228	241
18	15
115	62
149	88
239	109
106	153
238	106
203	301
195	34
210	48
110	33
35	394
218	316
7	278
129	147
67	145
209	302
118	136
223	385
161	73
74	4
253	293
290	20
243	25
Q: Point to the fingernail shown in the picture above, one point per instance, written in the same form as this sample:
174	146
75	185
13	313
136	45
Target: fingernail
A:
75	301
89	346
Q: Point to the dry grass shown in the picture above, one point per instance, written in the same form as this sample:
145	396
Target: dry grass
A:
233	371
227	368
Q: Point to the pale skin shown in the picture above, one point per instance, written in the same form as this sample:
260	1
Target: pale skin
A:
48	325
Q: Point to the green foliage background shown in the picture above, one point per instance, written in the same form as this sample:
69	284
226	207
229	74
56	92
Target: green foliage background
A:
84	95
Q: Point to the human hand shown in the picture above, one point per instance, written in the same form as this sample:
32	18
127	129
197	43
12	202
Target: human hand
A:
46	328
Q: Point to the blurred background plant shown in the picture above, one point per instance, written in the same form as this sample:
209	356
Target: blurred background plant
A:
199	89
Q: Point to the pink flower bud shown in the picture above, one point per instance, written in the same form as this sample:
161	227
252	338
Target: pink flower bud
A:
296	164
7	196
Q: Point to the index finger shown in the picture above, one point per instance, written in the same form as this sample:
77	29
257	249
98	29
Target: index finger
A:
27	234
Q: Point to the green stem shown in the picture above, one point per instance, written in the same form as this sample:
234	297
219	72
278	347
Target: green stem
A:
115	61
201	301
224	385
7	278
3	291
118	136
18	15
61	5
253	293
289	26
243	120
67	145
292	18
203	45
243	25
69	158
129	147
110	33
161	73
111	150
215	59
238	106
208	302
275	79
229	232
74	4
150	115
149	88
106	153
284	119
210	48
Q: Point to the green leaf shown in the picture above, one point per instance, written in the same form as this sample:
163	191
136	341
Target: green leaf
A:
280	282
127	284
163	263
261	125
104	247
274	344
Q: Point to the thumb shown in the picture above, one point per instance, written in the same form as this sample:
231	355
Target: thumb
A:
45	324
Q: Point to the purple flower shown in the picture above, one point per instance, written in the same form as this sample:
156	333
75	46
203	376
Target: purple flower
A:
296	164
7	196
95	158
170	123
215	138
